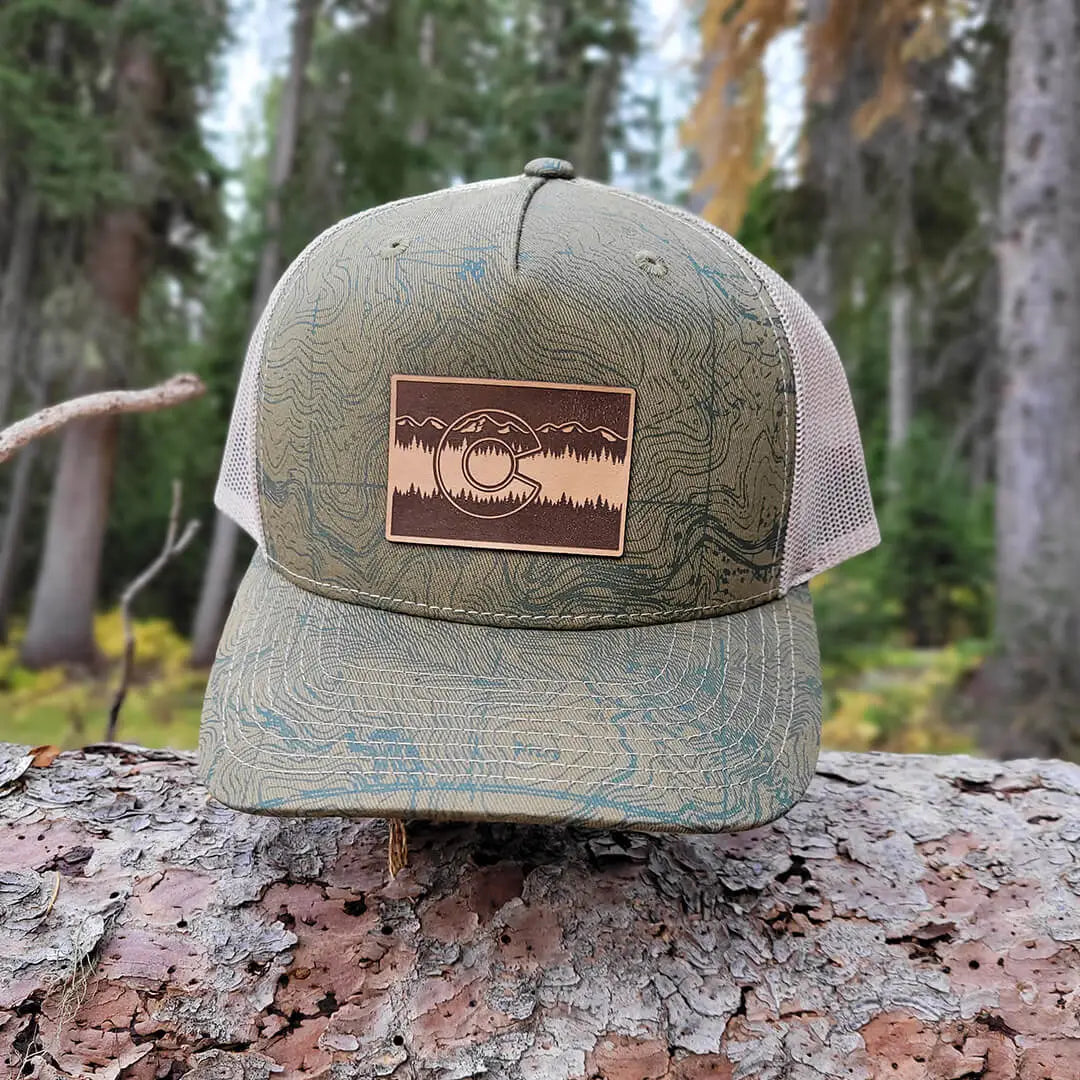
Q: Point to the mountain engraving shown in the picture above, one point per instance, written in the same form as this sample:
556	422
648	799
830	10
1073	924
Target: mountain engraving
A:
492	463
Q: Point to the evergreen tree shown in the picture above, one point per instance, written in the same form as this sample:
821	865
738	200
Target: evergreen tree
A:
104	136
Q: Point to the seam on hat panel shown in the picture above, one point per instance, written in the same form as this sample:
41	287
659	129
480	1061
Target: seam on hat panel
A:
702	610
791	430
533	189
798	377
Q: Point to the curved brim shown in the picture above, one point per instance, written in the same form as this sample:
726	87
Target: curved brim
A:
317	706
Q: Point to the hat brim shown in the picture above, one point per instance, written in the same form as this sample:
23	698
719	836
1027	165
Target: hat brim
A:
317	706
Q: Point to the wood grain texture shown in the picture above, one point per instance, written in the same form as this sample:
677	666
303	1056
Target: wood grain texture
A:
544	283
913	917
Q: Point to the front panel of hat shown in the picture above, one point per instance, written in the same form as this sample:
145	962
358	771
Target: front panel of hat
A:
527	282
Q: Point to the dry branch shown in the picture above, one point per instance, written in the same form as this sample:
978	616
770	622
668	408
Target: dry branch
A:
172	547
913	917
174	391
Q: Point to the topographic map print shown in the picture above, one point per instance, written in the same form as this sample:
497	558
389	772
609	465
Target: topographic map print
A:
509	464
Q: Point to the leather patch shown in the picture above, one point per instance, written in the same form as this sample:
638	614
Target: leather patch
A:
499	464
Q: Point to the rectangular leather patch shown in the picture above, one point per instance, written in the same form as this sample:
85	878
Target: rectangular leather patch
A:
499	464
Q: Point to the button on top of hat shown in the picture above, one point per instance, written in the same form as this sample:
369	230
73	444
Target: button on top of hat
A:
550	168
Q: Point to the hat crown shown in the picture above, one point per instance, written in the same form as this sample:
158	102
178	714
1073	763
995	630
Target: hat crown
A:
666	377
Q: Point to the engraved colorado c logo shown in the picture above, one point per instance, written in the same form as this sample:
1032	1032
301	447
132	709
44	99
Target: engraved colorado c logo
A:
479	454
513	464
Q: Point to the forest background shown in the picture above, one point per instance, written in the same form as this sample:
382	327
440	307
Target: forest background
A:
909	166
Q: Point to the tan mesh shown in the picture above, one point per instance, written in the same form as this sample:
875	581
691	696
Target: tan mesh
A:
237	493
832	513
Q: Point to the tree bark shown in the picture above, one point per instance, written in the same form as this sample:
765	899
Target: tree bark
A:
217	579
912	917
11	540
61	623
14	289
1037	675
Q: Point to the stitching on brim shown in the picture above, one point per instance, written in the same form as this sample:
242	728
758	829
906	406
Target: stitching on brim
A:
567	783
715	609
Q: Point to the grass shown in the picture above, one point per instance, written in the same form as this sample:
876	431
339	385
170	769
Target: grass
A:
70	707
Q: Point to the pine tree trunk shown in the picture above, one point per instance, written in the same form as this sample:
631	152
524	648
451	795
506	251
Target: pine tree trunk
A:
591	155
915	918
61	627
1038	438
901	361
11	538
61	624
215	591
216	586
13	291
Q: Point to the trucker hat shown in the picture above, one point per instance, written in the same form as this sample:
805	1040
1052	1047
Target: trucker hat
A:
538	470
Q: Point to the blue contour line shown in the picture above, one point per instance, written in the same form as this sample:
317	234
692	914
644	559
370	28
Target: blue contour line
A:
587	803
656	236
715	278
414	781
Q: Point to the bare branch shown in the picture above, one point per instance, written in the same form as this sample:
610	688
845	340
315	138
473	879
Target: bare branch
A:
169	549
174	391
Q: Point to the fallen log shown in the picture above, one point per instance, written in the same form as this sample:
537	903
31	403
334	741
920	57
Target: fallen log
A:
912	917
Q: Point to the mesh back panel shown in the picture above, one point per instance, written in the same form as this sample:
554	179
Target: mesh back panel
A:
832	514
236	493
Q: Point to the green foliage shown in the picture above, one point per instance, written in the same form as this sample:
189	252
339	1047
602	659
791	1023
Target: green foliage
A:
424	93
930	581
782	223
60	106
70	708
937	560
49	124
901	700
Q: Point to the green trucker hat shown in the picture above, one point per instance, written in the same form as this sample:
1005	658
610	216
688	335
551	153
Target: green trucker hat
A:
538	471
